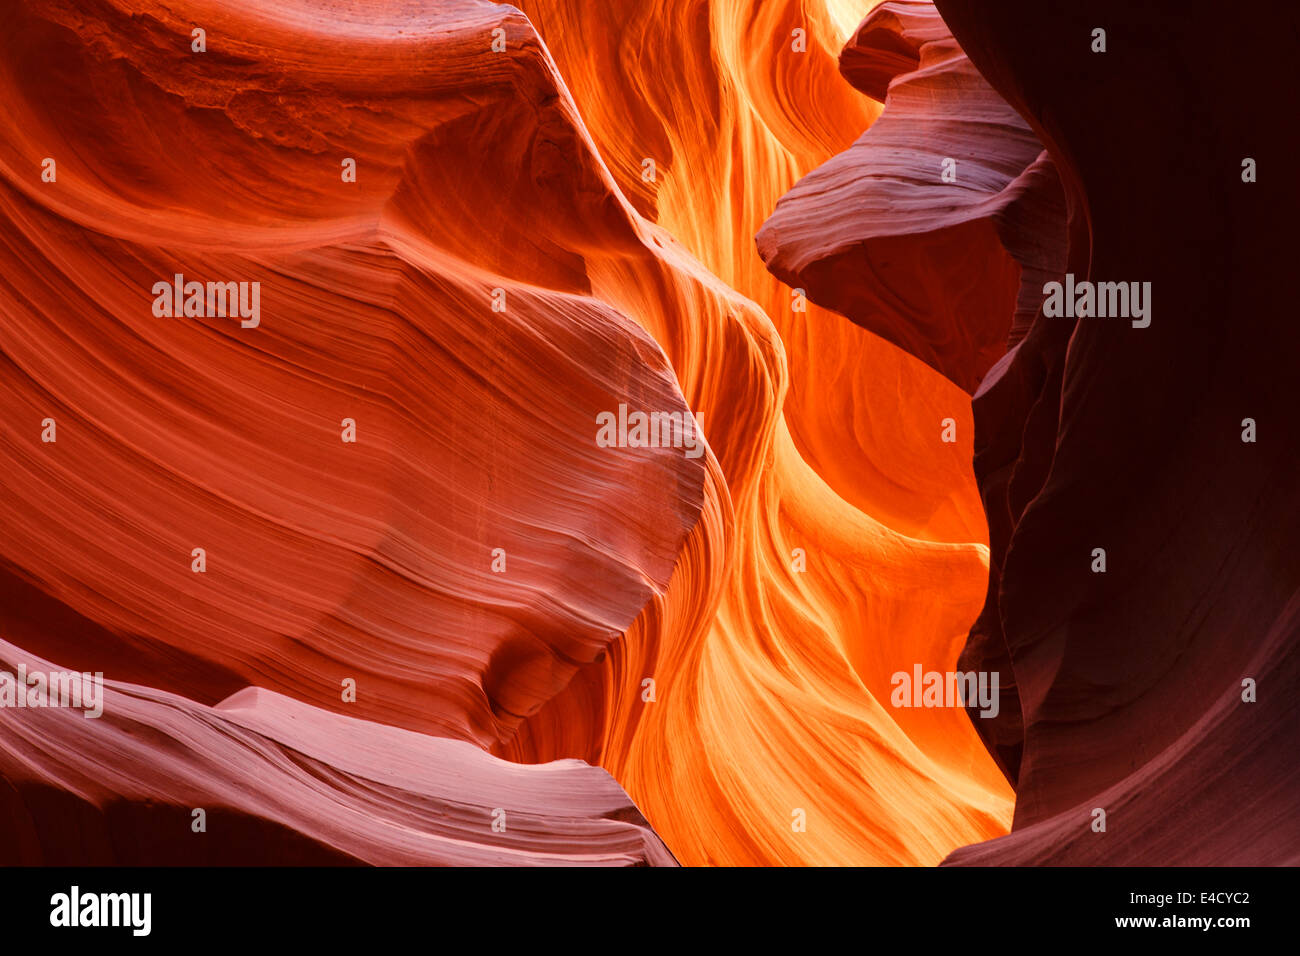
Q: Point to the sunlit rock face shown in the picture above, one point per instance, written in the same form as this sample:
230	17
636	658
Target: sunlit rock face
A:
1143	587
814	578
369	531
936	229
435	617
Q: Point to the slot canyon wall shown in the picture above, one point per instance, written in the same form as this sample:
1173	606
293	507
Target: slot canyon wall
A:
366	578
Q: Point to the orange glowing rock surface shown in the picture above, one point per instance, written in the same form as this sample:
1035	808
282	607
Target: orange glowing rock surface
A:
767	590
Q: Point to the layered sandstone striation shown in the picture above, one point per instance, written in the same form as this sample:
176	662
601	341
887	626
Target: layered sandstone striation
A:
1133	688
938	225
392	638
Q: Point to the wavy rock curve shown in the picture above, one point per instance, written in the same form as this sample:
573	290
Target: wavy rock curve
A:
936	219
823	540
